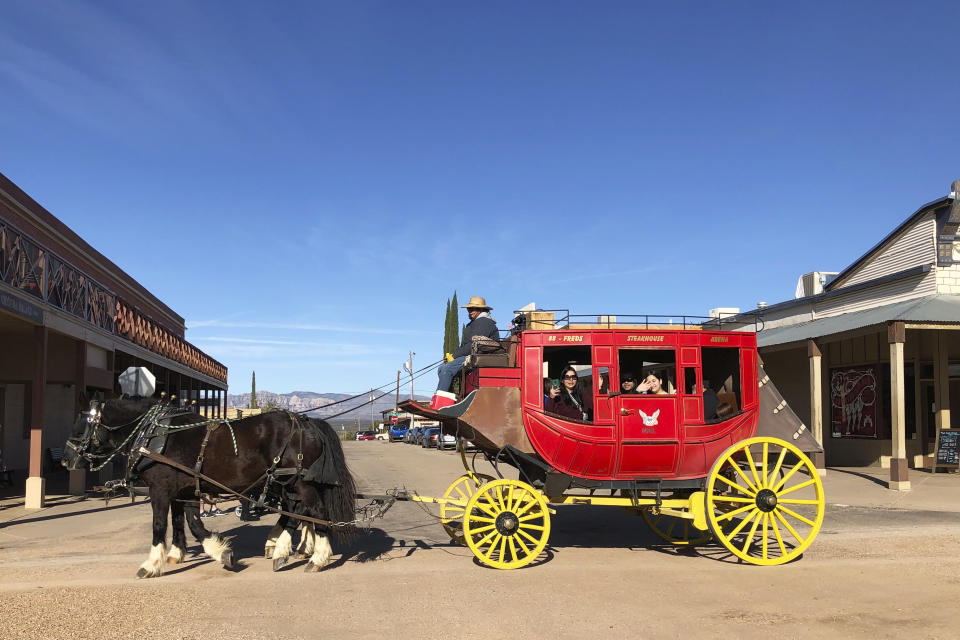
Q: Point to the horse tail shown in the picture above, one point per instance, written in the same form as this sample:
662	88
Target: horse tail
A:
339	500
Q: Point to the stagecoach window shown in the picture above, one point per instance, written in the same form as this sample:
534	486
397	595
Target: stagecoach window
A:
690	380
721	382
556	359
643	362
603	380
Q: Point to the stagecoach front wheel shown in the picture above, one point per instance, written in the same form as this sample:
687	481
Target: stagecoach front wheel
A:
455	503
507	523
675	530
764	501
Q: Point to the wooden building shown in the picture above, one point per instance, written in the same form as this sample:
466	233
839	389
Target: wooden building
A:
871	358
70	322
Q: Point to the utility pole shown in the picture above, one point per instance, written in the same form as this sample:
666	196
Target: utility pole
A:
396	405
411	374
372	423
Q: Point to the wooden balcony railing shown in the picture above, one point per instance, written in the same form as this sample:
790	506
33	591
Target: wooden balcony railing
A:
29	267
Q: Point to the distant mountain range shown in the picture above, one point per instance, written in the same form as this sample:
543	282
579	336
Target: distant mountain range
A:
357	409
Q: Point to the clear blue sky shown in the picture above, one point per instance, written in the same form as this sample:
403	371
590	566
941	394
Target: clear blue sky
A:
317	178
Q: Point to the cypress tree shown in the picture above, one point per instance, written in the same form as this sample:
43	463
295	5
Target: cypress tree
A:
253	392
454	323
446	328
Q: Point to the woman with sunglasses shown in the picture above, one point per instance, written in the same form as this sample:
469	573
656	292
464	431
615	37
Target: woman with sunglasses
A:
567	401
628	383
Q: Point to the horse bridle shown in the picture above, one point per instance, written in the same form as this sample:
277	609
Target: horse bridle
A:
94	419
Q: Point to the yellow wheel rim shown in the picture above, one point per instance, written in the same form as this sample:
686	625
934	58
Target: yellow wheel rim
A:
507	524
456	498
765	501
678	531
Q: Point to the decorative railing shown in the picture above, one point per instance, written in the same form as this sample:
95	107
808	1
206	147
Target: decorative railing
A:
27	266
136	328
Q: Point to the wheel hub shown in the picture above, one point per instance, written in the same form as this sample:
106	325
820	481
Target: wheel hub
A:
507	523
766	500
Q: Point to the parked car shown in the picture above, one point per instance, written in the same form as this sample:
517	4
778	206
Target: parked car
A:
412	434
446	441
450	442
429	437
366	435
398	432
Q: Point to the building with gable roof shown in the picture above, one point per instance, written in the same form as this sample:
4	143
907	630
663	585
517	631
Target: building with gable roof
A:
870	357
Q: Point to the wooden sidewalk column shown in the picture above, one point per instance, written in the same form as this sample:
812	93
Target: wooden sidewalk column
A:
941	383
816	403
899	480
78	478
36	484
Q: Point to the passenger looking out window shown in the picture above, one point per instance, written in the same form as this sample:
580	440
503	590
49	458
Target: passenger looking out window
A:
628	382
569	400
653	385
657	369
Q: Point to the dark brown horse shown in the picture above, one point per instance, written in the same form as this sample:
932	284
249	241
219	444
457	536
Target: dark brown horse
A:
295	461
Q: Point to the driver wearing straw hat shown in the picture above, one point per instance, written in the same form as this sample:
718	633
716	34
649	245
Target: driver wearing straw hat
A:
481	324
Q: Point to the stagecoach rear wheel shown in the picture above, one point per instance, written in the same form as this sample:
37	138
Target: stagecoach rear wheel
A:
507	524
455	505
678	531
764	501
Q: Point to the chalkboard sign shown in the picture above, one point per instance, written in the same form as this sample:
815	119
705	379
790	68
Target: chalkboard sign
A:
948	449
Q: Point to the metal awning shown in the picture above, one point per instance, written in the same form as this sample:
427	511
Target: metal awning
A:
936	309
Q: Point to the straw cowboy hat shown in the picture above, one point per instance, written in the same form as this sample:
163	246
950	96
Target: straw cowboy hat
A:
476	302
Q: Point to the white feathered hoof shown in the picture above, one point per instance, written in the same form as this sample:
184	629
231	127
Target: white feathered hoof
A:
175	555
219	549
153	565
283	550
268	550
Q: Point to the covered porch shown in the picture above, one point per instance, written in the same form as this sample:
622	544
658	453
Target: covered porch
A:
876	386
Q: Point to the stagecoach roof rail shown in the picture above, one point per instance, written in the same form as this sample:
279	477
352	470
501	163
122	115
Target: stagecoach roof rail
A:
555	319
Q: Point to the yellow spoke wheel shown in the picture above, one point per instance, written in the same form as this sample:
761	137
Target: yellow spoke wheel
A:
507	524
456	498
764	501
678	531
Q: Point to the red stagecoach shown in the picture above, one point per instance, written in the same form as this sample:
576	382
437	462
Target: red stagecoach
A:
716	455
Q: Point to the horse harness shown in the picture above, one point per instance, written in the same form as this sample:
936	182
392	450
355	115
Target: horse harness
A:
155	427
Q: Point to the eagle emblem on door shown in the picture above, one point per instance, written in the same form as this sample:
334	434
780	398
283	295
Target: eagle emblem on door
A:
650	420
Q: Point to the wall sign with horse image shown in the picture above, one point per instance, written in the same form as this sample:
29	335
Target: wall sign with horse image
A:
854	407
284	457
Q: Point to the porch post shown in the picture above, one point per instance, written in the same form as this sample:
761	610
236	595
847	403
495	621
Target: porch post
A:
816	403
896	336
36	484
941	383
78	477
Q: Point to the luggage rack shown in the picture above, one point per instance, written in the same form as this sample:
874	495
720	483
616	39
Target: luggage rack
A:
552	319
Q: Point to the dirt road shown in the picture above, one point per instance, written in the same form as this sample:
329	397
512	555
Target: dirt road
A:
68	571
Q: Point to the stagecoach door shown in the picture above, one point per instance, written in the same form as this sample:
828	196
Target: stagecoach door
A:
647	425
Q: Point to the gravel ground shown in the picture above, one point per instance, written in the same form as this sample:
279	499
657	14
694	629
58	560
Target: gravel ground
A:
68	570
